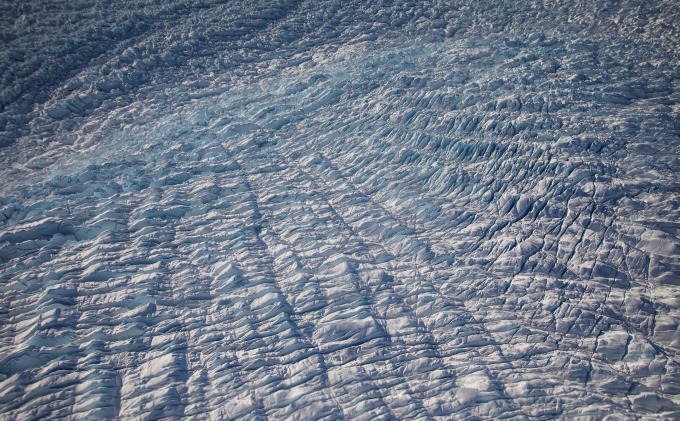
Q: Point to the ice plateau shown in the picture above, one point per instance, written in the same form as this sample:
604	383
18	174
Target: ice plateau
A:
324	209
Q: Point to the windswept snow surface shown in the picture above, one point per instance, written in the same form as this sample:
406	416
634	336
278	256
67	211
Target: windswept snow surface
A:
339	209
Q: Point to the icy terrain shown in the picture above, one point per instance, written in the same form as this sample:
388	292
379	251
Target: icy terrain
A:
339	209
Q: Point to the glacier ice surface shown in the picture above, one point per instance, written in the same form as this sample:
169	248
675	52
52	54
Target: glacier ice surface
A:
342	210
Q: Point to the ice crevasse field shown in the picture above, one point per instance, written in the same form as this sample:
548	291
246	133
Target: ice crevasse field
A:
324	209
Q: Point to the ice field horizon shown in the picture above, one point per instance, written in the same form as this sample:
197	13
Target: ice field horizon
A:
339	210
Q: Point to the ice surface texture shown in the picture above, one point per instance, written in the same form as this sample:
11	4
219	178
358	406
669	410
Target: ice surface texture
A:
339	209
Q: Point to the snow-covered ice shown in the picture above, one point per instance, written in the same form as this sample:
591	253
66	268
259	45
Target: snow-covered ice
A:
339	209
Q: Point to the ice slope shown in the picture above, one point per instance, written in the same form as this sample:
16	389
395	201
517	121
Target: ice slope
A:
339	210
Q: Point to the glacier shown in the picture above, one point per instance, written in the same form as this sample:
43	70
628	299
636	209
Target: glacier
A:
220	209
